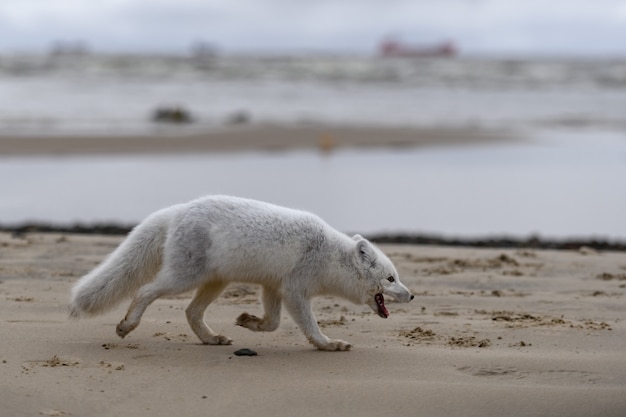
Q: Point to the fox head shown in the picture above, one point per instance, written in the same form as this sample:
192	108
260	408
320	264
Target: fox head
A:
381	277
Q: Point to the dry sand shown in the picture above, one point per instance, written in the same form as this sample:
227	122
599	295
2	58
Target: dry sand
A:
490	333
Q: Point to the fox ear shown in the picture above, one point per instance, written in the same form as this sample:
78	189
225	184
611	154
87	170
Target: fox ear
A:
365	252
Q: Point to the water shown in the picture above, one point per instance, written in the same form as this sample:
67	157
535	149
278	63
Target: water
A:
566	179
112	94
556	187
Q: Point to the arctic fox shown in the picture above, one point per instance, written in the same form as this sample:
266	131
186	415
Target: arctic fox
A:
210	242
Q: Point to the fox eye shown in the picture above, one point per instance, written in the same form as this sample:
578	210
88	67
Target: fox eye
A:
391	279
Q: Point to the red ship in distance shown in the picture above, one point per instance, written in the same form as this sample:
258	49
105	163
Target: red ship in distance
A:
393	49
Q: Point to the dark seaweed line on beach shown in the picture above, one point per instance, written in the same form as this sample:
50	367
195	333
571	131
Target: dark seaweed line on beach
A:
533	242
111	229
504	242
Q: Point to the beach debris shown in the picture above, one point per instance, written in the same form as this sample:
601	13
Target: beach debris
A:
108	346
521	343
326	142
245	352
117	366
240	117
514	320
170	337
171	115
586	250
418	333
469	341
605	276
332	322
53	412
55	361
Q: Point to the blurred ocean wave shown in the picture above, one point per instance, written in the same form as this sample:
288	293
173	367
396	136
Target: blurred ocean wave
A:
418	72
78	93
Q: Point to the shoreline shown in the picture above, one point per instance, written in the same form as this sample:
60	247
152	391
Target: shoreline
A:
535	242
251	138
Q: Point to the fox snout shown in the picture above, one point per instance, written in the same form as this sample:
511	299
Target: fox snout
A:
400	293
405	297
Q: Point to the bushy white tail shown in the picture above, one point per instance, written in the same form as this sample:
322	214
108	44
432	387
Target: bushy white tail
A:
134	263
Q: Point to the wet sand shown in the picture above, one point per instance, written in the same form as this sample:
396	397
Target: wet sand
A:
490	333
251	138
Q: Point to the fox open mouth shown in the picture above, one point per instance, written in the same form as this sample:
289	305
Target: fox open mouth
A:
380	303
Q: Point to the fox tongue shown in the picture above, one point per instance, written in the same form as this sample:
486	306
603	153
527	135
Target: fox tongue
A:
380	302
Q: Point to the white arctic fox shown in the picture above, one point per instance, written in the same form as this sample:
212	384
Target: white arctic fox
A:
213	241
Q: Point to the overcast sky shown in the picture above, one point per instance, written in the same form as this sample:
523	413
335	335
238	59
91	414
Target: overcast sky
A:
564	27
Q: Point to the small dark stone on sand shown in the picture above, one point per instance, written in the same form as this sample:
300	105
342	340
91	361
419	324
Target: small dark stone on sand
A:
245	352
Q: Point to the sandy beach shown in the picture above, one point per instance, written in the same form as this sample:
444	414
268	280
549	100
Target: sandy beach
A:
490	333
492	180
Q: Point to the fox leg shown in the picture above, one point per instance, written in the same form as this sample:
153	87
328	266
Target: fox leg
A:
165	283
271	318
145	296
300	309
205	295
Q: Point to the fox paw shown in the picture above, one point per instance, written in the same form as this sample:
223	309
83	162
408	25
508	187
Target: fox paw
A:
249	321
123	328
218	339
335	345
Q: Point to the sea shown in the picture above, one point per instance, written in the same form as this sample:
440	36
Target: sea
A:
563	177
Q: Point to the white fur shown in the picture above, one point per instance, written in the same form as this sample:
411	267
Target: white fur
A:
213	241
